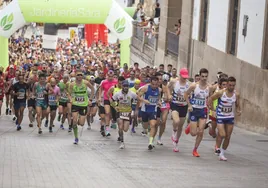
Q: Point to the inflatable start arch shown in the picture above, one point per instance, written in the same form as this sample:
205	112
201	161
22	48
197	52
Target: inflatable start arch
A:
108	12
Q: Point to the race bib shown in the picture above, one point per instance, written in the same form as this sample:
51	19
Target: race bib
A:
200	102
21	95
227	110
80	99
181	99
40	96
125	115
52	98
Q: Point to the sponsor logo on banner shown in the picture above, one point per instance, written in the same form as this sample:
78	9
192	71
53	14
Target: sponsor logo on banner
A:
7	22
120	25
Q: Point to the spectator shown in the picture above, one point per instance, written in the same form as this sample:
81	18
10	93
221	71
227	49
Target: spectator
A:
157	10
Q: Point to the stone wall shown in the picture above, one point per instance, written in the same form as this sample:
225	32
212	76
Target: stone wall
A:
251	83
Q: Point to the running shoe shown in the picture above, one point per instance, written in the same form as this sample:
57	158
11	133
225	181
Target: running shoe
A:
7	110
46	123
222	158
176	149
159	142
40	131
18	127
89	127
59	117
208	123
76	141
119	139
217	151
195	153
143	133
30	125
173	140
122	145
187	130
62	127
133	130
108	133
50	129
150	147
10	112
70	129
91	119
15	119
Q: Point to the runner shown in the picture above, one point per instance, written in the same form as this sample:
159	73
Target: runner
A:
150	97
92	109
198	108
9	75
31	99
41	104
162	112
13	81
63	101
103	90
79	98
124	98
135	106
2	89
110	93
179	106
53	98
20	93
228	103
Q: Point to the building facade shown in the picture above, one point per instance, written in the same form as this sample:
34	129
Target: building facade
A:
221	35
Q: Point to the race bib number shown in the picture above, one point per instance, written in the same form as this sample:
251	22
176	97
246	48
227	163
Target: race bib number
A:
227	110
21	95
200	102
52	98
40	96
80	99
64	95
164	105
181	99
125	115
153	100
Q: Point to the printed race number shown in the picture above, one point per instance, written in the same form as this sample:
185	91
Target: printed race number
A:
125	115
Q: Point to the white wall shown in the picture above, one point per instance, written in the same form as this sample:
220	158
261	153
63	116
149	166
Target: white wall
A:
196	19
249	48
218	23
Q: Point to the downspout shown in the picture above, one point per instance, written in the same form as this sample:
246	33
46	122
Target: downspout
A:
191	43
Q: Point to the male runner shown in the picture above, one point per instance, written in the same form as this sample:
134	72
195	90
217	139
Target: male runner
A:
63	101
150	97
228	103
10	74
198	108
20	93
31	99
103	90
79	98
179	105
53	98
134	105
41	104
124	98
92	109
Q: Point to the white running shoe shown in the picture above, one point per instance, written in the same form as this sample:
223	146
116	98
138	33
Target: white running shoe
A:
122	145
175	149
89	127
222	158
159	142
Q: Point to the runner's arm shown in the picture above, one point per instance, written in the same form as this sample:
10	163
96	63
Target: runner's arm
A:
92	90
214	97
188	92
110	91
141	92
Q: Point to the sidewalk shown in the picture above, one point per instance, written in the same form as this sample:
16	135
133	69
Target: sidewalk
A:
51	160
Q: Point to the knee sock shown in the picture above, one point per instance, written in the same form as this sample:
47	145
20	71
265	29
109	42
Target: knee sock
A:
75	131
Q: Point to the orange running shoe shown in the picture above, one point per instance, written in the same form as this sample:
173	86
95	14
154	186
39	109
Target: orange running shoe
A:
195	153
187	130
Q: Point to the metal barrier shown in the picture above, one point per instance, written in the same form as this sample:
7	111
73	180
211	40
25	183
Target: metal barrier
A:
172	43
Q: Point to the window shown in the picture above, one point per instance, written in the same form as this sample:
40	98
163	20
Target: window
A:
203	20
233	26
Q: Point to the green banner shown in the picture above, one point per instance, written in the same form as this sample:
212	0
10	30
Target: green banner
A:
3	52
62	11
125	52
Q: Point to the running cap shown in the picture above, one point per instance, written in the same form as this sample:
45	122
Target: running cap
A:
184	73
125	83
137	81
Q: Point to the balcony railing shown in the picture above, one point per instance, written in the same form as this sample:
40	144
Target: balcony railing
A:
143	35
172	43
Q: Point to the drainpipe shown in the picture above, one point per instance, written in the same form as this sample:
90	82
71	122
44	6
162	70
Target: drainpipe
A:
191	42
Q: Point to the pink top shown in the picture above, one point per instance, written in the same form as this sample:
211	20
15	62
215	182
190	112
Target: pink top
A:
142	84
106	85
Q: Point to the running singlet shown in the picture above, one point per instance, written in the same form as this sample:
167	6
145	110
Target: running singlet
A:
21	90
135	101
40	96
226	106
153	97
63	92
214	103
106	85
199	97
80	95
89	93
178	94
124	100
52	98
